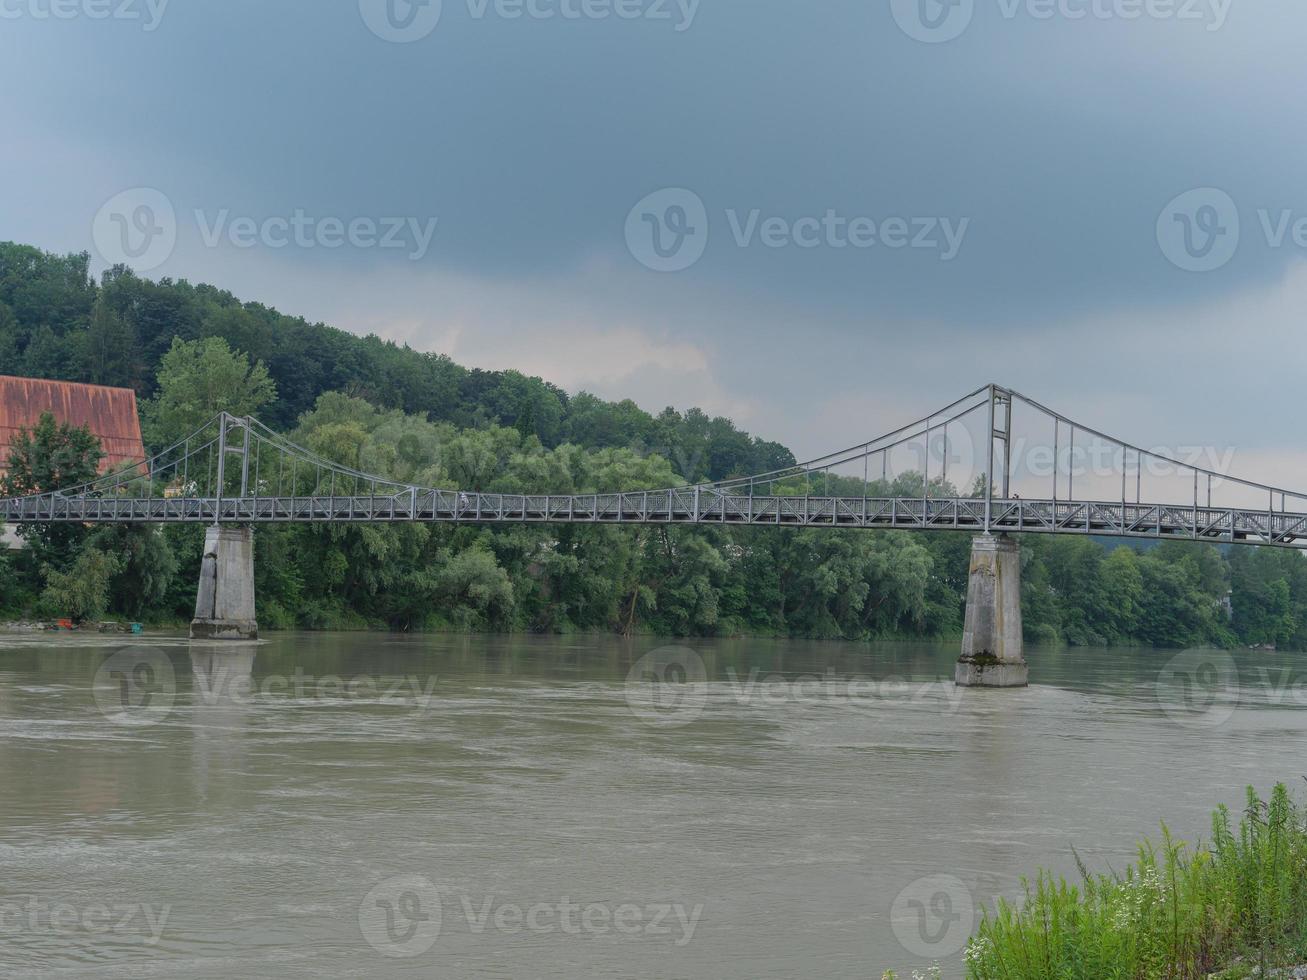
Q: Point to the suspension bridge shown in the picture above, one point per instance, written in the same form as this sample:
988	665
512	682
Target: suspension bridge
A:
994	462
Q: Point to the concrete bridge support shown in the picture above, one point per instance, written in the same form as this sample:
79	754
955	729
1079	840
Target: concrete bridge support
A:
992	653
224	605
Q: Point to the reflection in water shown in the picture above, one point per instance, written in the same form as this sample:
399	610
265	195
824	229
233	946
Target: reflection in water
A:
379	806
222	682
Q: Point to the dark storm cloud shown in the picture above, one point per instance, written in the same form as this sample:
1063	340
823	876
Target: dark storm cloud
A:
1007	184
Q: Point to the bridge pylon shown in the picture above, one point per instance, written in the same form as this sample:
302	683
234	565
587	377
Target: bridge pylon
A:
992	648
224	604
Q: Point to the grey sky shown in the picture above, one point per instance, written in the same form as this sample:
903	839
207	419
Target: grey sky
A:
1049	144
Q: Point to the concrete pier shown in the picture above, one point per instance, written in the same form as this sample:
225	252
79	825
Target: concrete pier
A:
224	605
992	651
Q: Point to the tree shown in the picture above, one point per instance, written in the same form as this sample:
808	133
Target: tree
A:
52	456
110	348
146	565
11	592
82	592
197	380
1122	592
1262	597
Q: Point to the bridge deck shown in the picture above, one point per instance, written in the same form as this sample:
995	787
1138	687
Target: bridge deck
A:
688	506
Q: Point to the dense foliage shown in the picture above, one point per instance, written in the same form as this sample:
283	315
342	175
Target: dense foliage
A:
1238	903
190	351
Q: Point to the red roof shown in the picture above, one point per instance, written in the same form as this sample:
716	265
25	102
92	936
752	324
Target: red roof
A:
110	414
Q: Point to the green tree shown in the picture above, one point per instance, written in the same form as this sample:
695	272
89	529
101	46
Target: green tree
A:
1122	593
1266	609
110	348
82	592
51	456
146	569
12	593
197	380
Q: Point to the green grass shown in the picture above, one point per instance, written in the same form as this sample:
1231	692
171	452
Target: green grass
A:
1180	911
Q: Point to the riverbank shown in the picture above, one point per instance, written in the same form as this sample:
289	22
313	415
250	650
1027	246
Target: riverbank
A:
1232	908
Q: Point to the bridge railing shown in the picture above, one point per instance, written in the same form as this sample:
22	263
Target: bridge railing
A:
238	469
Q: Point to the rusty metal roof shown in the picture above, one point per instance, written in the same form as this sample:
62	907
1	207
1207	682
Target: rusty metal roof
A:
110	414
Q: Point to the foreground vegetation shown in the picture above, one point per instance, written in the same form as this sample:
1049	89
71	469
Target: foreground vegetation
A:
1237	905
192	350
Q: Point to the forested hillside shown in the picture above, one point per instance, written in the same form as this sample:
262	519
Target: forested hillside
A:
191	350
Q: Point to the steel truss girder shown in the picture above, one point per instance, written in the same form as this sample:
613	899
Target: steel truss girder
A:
686	506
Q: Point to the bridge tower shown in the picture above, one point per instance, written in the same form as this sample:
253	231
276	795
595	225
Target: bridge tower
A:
993	653
224	602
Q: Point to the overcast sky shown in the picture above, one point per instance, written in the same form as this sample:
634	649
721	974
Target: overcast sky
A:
820	218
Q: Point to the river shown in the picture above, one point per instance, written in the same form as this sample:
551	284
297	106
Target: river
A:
363	805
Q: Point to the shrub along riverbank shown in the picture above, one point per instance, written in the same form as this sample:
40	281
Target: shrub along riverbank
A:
1234	907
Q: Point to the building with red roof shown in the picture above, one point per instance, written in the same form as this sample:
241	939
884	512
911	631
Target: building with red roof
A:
110	414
